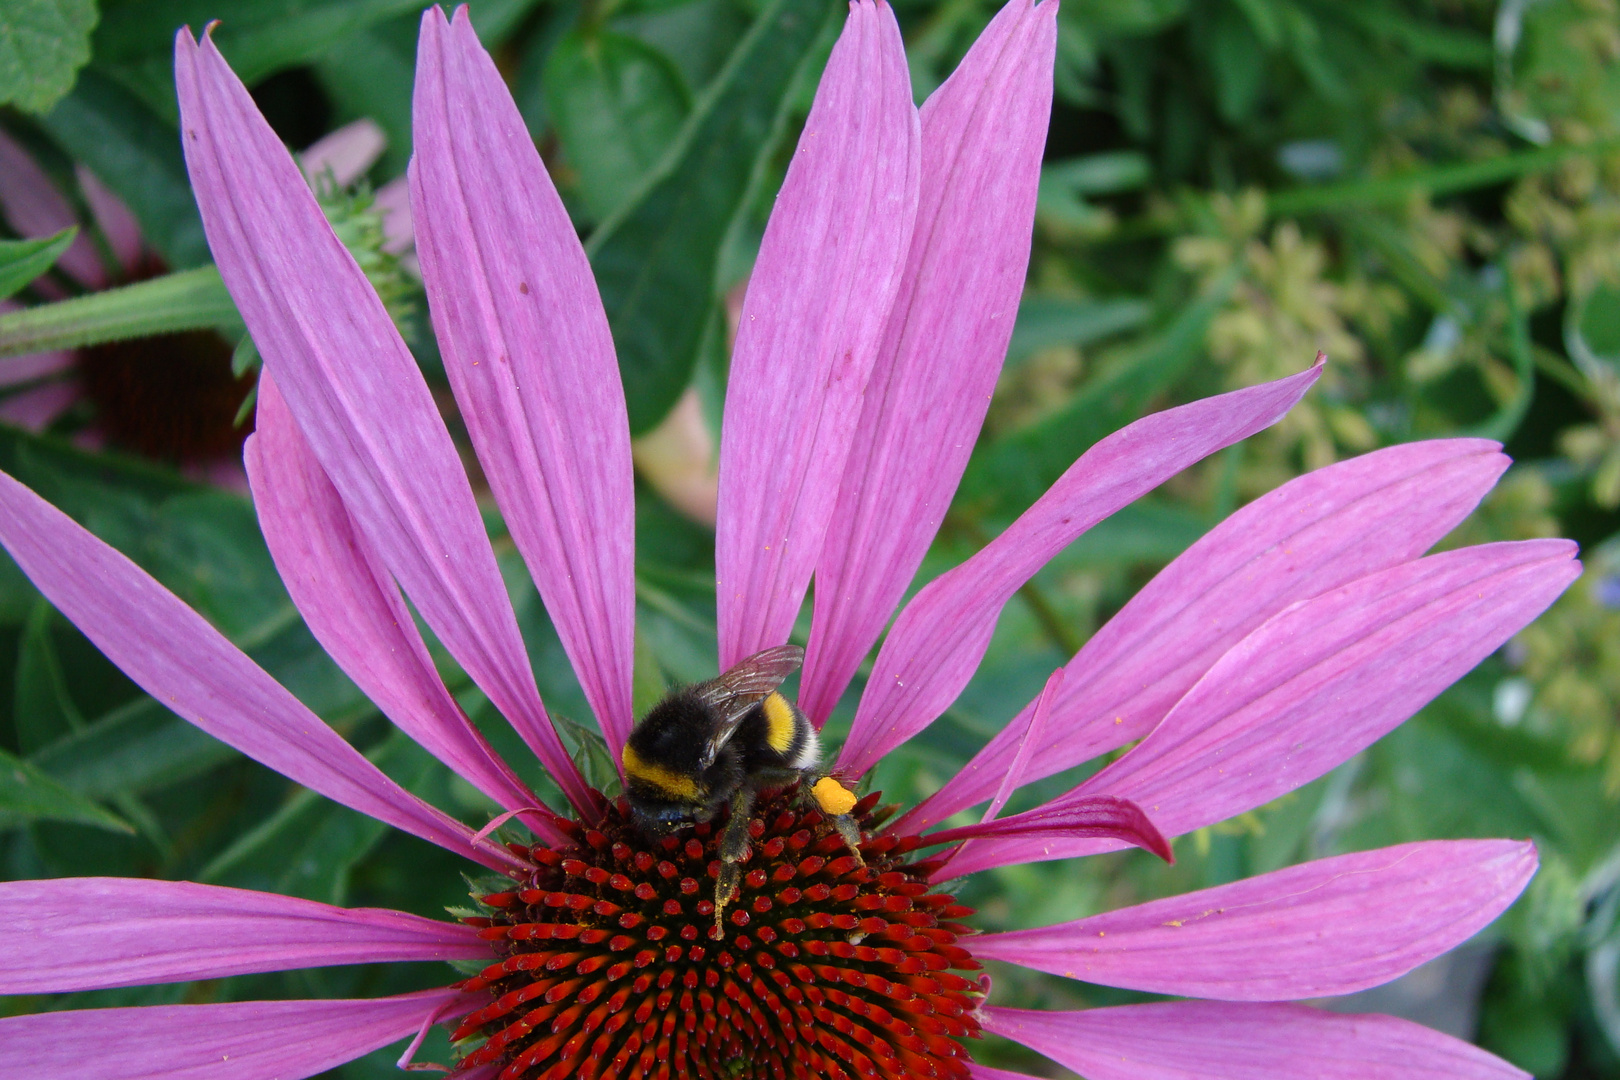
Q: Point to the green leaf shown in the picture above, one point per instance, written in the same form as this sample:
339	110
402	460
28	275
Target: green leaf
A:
136	153
21	261
1424	39
655	261
1506	420
137	748
42	710
310	847
1099	174
371	74
1238	59
1435	181
497	20
189	300
1005	477
43	44
617	105
28	794
648	686
1047	321
135	42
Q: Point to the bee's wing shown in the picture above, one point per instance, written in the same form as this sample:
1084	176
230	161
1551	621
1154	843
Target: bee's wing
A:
742	687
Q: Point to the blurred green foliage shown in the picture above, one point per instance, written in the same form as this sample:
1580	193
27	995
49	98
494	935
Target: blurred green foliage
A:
1429	191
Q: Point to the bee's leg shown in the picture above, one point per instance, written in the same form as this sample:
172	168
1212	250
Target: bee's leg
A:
733	847
850	830
836	801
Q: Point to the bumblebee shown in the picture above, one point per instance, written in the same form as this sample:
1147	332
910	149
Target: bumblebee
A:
721	742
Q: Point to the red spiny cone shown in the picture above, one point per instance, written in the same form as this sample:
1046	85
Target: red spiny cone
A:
612	966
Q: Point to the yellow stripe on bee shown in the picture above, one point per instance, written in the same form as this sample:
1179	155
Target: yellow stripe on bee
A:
779	723
665	780
833	797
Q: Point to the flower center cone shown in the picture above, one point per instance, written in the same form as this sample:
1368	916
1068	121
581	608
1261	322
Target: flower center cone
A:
611	964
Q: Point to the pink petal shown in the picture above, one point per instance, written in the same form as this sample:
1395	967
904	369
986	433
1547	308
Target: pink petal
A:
985	1072
1197	1040
189	667
1308	536
827	272
1034	729
983	132
528	352
1333	926
354	389
353	607
241	1040
1322	681
113	218
34	409
347	152
16	370
939	638
1067	818
89	933
34	208
393	202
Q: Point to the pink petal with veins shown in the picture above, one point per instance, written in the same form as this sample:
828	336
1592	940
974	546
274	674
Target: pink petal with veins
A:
354	389
983	133
1333	926
940	637
65	934
1200	1040
827	272
528	352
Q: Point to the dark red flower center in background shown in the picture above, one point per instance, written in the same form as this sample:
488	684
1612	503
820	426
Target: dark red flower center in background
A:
170	397
612	965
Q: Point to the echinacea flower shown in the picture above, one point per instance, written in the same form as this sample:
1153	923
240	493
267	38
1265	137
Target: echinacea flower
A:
1292	636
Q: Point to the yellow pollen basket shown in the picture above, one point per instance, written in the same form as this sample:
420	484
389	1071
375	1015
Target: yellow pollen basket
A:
833	797
668	781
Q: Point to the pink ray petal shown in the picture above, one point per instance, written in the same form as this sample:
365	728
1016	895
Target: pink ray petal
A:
347	152
1333	926
354	389
1067	818
241	1040
113	218
1034	729
30	367
34	208
34	409
1199	1040
353	607
983	133
985	1072
393	202
1322	681
939	638
827	272
68	934
1308	536
528	352
173	654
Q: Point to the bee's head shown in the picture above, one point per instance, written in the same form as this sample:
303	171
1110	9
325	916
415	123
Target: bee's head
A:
662	798
656	818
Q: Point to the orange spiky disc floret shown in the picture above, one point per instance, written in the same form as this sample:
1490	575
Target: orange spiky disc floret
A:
611	965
